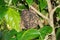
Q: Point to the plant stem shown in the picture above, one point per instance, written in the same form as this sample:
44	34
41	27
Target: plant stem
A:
43	16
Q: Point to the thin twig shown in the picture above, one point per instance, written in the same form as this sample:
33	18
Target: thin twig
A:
43	16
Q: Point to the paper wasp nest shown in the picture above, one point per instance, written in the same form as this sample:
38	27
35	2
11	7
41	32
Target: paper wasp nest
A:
29	19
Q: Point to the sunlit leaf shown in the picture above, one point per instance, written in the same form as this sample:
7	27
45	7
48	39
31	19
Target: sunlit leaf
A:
13	19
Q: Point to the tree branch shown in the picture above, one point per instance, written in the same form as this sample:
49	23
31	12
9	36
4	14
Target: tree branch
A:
43	16
49	5
51	23
52	12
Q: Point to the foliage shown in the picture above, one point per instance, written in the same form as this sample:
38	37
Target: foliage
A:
13	19
10	16
58	12
29	2
42	4
2	11
58	34
28	34
10	20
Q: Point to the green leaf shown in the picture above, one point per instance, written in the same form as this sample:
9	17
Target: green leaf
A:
29	34
0	35
19	34
29	2
15	2
5	37
33	33
13	19
58	12
45	31
42	4
3	10
2	3
21	7
58	34
10	35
